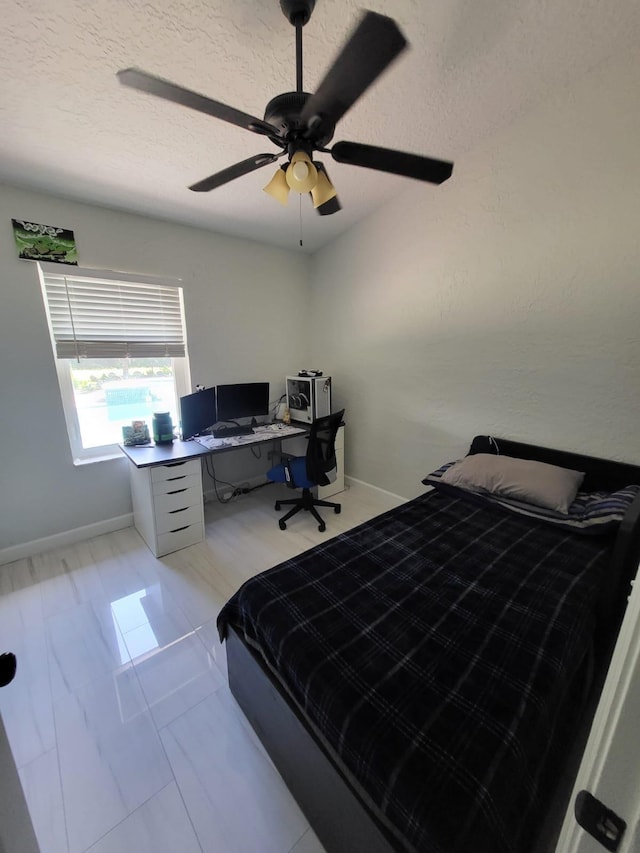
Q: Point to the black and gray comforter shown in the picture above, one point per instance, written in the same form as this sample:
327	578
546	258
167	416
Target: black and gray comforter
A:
434	652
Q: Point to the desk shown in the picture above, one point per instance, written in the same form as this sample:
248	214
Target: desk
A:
166	486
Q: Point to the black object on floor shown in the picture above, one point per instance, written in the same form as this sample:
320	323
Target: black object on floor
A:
8	666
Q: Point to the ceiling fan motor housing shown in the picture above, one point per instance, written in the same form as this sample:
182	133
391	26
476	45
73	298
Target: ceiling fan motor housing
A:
297	11
284	110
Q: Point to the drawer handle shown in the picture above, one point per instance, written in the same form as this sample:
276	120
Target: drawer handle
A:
178	529
177	491
174	464
171	479
174	511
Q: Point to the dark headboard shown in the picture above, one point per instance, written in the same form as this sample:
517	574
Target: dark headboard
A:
599	473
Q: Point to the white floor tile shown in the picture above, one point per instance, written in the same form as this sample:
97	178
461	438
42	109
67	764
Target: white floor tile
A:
20	603
111	759
161	825
236	800
124	562
174	669
68	577
41	785
26	703
142	606
195	596
85	643
208	634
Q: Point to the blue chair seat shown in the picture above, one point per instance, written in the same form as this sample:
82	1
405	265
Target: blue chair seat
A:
298	466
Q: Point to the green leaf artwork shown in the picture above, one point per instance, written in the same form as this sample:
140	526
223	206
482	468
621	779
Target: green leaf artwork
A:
44	242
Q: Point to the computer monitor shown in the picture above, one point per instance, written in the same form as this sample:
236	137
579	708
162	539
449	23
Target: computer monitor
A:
197	412
247	400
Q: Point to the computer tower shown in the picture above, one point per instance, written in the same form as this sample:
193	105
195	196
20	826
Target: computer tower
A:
308	397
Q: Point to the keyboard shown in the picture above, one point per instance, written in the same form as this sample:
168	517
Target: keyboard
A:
230	431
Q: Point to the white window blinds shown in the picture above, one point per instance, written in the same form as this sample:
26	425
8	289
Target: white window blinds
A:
97	315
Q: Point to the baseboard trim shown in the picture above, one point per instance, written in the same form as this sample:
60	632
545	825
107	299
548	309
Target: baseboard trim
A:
348	480
67	537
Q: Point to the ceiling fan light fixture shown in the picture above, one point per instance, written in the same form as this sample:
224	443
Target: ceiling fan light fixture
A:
278	188
323	191
300	171
301	174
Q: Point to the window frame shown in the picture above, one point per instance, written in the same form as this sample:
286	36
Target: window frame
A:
180	365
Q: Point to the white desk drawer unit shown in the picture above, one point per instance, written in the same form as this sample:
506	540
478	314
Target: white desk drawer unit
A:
167	505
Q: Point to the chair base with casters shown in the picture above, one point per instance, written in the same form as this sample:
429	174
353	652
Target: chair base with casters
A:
308	503
305	472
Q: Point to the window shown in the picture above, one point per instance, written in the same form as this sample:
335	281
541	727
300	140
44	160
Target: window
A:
120	348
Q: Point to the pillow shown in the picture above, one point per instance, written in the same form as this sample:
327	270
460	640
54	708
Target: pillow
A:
590	513
519	479
597	512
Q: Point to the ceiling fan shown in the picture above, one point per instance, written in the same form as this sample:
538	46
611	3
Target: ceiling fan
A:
301	124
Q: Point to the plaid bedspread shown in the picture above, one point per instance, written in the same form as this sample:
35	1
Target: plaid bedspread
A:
432	651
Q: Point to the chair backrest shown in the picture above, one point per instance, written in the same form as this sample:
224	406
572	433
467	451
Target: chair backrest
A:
321	451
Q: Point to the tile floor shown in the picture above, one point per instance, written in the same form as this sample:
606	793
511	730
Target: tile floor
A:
121	723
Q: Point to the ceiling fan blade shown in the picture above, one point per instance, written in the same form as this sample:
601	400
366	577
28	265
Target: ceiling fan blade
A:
137	79
396	162
233	172
373	45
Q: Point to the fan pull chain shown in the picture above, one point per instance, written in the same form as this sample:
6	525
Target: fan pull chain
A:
300	197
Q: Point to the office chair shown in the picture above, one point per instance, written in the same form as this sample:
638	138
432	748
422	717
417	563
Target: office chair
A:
304	472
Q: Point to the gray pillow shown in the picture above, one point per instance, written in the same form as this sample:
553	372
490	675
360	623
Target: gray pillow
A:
519	479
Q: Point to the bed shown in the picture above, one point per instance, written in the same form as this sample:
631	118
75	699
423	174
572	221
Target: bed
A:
418	679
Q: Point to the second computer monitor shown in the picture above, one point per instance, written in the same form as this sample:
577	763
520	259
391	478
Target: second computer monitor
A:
197	412
246	400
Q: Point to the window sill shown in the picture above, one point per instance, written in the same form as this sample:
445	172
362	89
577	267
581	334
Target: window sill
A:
105	457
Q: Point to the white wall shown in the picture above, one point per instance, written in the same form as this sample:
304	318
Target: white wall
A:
505	301
245	309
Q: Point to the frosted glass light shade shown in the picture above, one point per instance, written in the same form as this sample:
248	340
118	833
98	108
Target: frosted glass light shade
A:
323	191
302	175
278	187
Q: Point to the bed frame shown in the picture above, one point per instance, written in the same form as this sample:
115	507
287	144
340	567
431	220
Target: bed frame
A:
340	819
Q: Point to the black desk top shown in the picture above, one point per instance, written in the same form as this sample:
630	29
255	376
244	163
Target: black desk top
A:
144	455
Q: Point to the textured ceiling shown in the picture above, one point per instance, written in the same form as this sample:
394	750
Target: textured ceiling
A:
68	127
